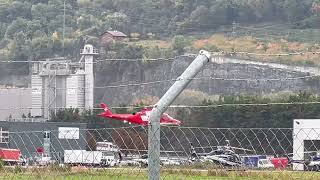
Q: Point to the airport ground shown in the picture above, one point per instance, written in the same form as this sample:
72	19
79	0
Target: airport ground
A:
131	173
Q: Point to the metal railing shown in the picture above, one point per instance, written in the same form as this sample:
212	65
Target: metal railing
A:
25	120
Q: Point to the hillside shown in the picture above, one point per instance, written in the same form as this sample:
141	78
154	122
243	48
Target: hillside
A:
39	29
112	77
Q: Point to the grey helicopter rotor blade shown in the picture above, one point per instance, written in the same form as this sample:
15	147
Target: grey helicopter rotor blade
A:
244	149
204	147
207	147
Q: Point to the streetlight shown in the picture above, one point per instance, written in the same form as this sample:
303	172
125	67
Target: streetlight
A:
64	25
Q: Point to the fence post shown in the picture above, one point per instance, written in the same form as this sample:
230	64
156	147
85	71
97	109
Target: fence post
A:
154	126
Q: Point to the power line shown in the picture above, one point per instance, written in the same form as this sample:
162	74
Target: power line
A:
244	104
279	54
149	59
111	59
224	53
219	53
174	80
179	106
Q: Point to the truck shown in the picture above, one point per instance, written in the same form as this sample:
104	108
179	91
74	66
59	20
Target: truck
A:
89	158
10	156
43	159
257	161
105	155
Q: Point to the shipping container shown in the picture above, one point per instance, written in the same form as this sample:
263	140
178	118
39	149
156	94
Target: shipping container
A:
10	156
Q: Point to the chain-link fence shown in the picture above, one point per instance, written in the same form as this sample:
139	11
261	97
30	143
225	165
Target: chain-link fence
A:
186	153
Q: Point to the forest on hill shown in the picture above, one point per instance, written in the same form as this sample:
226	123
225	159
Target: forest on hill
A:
37	29
33	29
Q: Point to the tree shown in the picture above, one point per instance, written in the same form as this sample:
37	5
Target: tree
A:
38	20
122	50
200	17
179	42
41	47
261	9
18	9
115	21
33	29
18	25
296	10
223	12
86	21
20	48
39	11
66	115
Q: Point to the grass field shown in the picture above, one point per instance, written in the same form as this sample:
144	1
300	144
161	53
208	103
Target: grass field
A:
136	173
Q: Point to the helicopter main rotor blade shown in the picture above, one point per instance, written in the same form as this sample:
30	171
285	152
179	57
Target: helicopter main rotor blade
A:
207	147
242	149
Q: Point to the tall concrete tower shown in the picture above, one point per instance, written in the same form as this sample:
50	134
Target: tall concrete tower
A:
87	54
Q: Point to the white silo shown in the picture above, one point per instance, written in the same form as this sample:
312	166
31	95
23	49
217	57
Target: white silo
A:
75	89
88	52
37	91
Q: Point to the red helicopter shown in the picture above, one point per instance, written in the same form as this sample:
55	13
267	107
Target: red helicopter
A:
140	118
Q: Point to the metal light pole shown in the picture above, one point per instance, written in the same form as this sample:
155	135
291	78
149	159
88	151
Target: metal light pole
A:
154	127
64	25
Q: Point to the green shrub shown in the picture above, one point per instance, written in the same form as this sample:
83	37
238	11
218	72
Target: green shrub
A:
1	165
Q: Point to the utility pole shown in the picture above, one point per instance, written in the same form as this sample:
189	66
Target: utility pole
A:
154	127
64	25
233	35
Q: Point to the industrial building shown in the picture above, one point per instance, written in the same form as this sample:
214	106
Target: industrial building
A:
60	83
305	138
53	137
56	83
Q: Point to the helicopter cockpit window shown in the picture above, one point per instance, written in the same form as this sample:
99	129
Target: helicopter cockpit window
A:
219	152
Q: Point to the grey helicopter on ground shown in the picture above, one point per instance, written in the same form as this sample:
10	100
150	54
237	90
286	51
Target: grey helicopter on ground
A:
311	163
222	155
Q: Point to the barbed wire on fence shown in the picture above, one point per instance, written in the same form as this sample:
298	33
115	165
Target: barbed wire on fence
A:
175	106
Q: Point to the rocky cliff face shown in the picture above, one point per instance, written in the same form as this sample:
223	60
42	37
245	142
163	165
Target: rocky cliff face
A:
109	74
122	73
